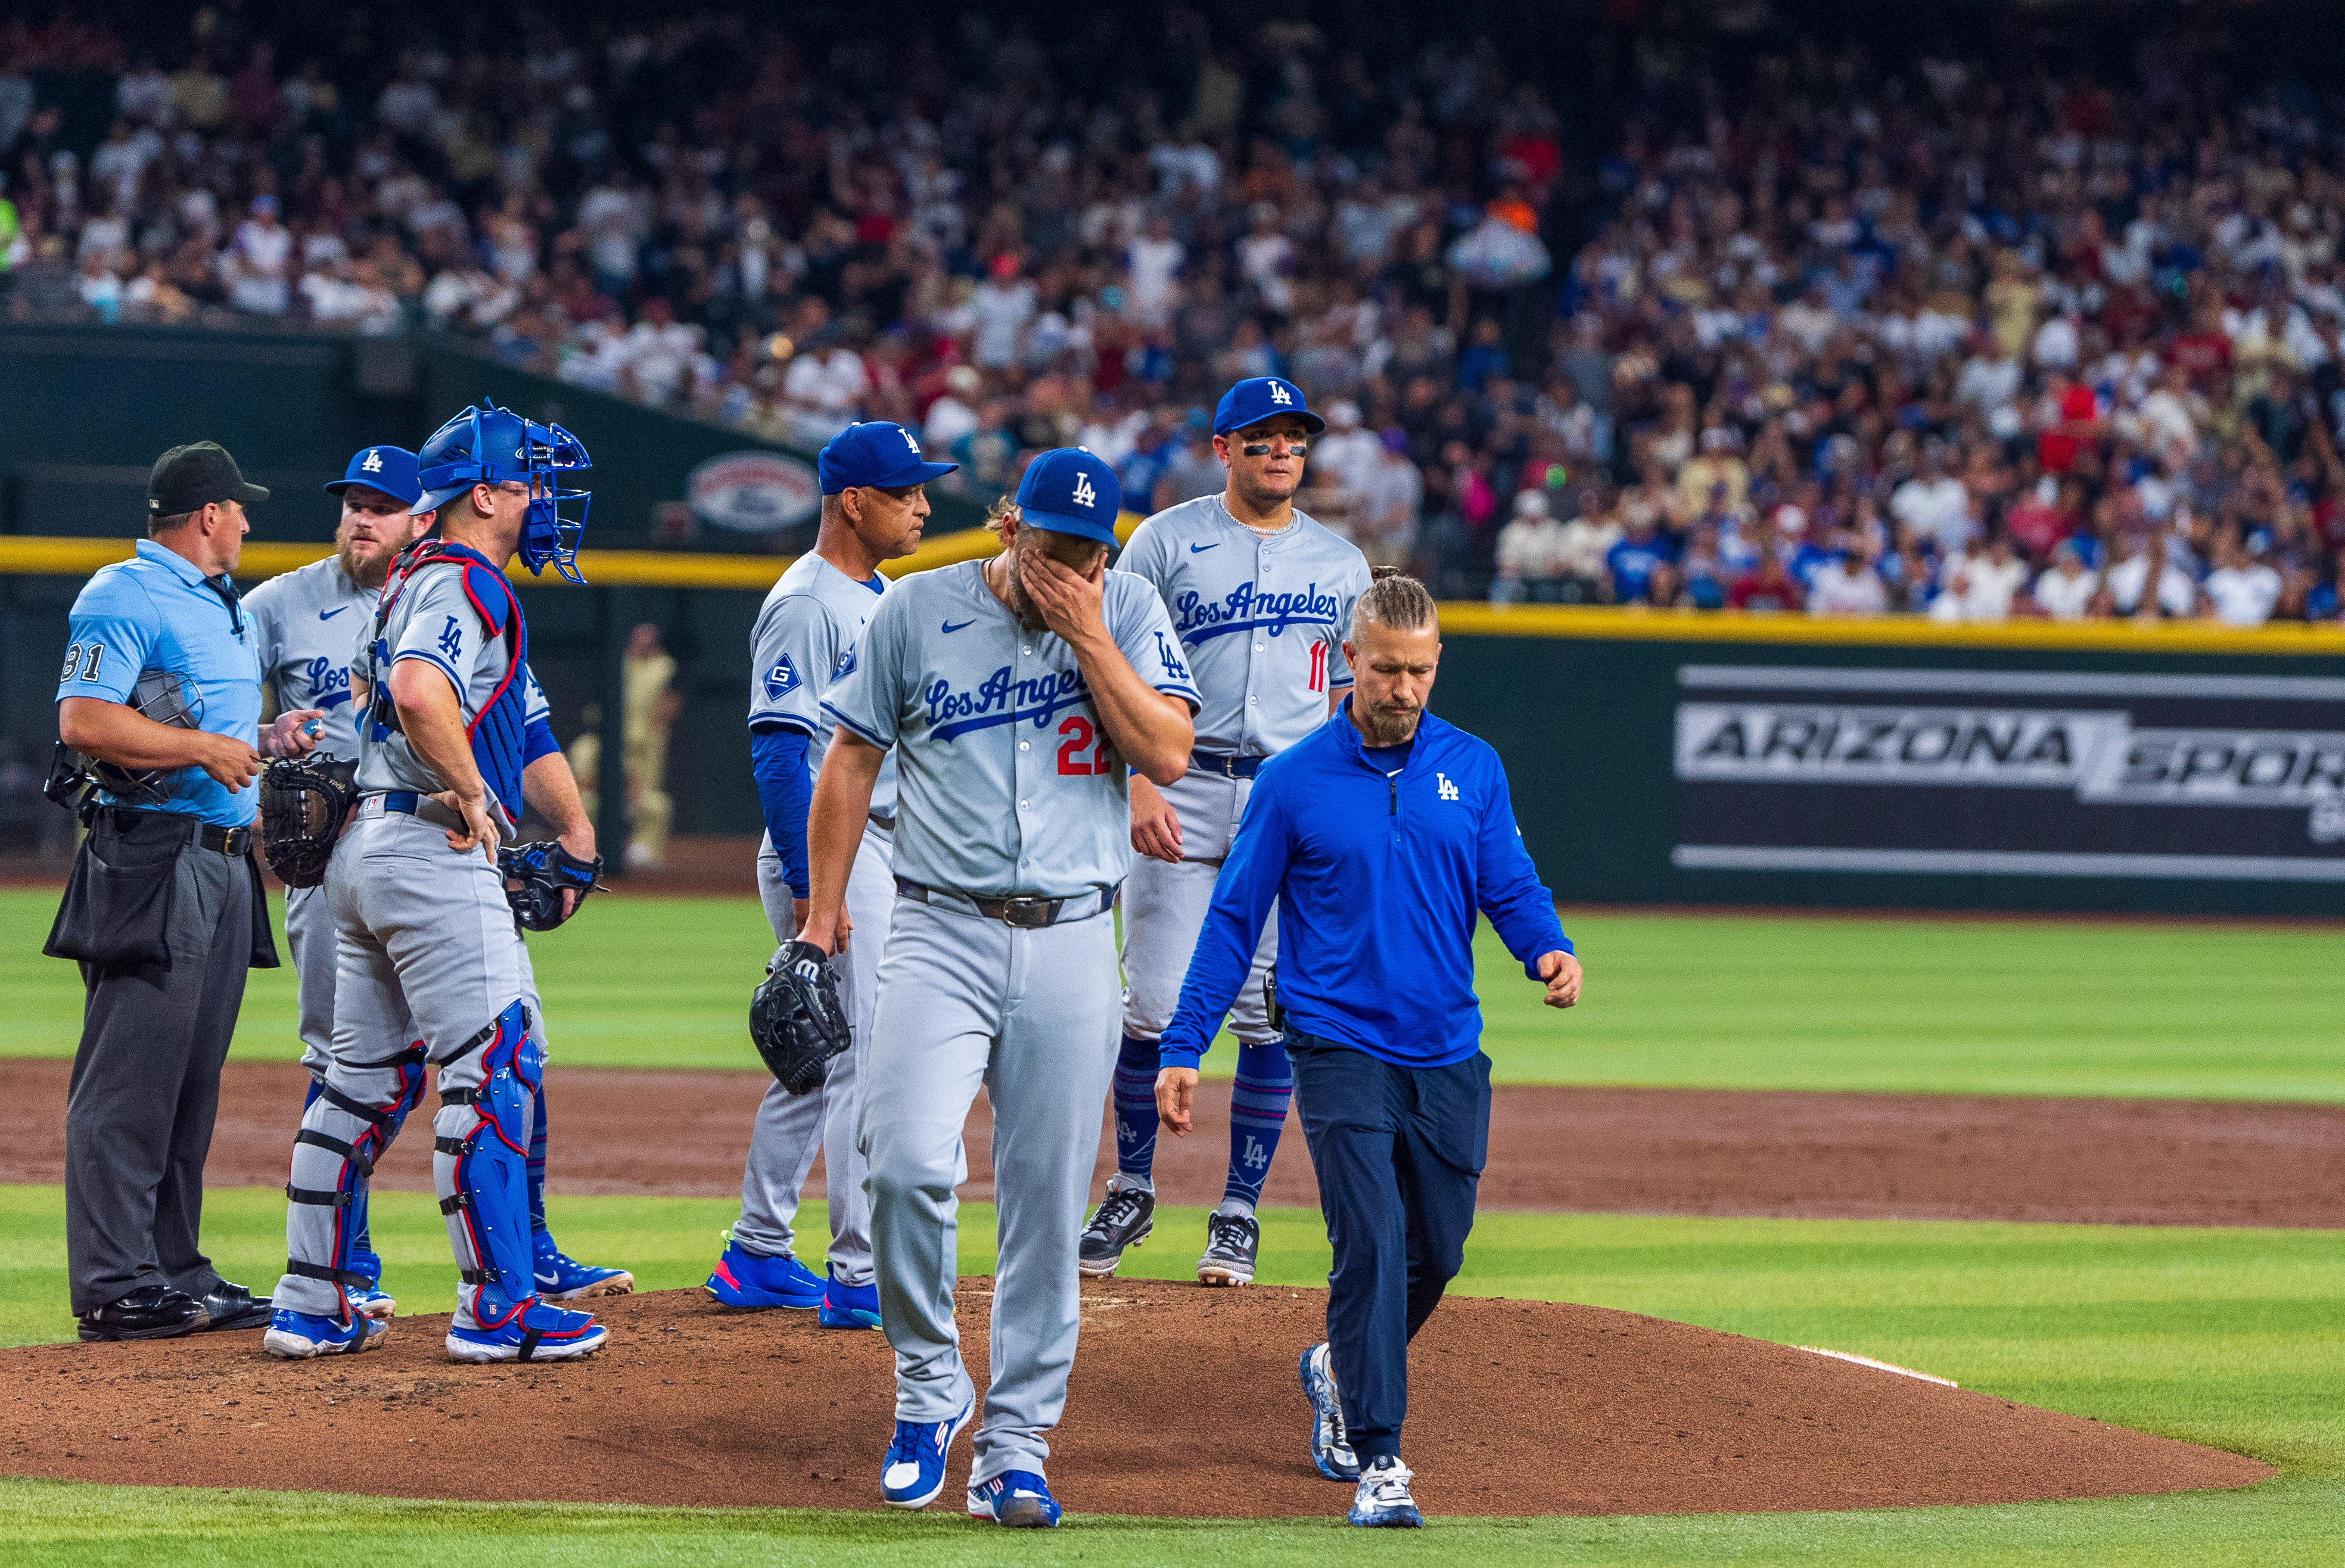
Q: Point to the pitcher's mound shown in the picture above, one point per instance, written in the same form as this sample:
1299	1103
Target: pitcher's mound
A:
1183	1401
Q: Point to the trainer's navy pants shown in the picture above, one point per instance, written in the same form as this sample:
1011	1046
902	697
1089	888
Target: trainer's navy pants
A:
1398	1152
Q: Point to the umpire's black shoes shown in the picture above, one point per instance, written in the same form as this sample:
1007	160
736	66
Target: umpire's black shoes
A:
234	1307
150	1312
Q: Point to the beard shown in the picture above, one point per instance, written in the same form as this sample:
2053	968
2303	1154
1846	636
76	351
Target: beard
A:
371	571
1389	726
1014	594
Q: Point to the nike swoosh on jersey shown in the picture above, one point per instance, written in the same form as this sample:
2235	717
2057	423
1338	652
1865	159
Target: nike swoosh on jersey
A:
1200	549
330	614
950	627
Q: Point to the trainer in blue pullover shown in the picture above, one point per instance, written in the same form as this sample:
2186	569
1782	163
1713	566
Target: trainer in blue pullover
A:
1380	837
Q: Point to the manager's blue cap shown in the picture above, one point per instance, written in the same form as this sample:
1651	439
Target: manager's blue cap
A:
391	469
1260	397
1070	490
877	452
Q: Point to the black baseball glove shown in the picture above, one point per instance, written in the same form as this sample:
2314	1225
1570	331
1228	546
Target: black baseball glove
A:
796	1019
536	876
304	801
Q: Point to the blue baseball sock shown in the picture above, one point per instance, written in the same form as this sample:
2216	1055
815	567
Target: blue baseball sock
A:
1135	1111
1258	1104
537	1165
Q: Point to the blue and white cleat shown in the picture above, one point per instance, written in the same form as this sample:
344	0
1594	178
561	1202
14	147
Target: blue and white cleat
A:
1017	1498
1331	1445
1383	1501
846	1306
373	1301
914	1470
561	1278
748	1282
532	1332
300	1335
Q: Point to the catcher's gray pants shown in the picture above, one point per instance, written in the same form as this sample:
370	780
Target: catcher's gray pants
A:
1165	909
1031	1016
791	1128
426	948
145	1079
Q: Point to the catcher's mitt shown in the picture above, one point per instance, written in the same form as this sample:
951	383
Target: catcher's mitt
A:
304	801
536	876
796	1019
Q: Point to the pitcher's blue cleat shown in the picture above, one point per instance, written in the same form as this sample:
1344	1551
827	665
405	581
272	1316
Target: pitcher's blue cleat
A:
298	1336
561	1278
914	1470
748	1282
847	1305
1017	1498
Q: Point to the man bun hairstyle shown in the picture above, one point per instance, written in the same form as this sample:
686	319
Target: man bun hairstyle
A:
1395	601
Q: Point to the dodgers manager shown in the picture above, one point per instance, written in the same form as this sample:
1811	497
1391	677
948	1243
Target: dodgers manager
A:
1379	837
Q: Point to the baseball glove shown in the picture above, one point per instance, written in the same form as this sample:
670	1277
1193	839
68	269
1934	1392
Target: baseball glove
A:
536	876
796	1019
304	801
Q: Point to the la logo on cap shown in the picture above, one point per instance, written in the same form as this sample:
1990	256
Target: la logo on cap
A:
909	440
1085	496
1278	393
373	463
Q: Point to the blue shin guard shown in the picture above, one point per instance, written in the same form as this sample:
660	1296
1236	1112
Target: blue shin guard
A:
537	1161
481	1165
342	1136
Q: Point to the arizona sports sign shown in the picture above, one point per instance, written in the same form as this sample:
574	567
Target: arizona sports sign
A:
2011	772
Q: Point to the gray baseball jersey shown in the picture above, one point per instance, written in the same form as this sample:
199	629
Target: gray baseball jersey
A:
805	641
1262	618
1007	783
308	624
430	619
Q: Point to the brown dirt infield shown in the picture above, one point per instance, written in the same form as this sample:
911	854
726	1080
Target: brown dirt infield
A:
1521	1408
1592	1150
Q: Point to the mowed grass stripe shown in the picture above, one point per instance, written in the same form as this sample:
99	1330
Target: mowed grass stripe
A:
1953	1007
2225	1336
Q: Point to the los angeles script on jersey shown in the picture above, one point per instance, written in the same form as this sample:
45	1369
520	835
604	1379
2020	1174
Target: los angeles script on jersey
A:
1002	699
1247	611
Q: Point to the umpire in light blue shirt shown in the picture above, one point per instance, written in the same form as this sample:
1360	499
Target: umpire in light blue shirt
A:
159	700
1379	838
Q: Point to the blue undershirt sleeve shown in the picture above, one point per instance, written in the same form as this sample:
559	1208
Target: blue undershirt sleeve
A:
785	794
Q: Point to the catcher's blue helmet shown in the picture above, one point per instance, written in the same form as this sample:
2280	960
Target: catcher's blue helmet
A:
490	445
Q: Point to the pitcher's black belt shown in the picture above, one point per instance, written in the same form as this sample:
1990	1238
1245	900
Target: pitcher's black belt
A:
1229	767
1026	914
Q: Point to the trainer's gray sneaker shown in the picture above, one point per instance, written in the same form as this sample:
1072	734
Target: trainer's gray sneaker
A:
1331	1445
1123	1218
1231	1241
1383	1500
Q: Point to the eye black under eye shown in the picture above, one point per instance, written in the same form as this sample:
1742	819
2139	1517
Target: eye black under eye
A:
1262	448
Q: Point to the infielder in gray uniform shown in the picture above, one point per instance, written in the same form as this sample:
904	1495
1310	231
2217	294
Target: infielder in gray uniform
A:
309	622
427	944
1016	693
1260	595
873	507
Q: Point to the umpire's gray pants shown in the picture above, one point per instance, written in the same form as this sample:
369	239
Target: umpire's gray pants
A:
145	1088
791	1128
1031	1015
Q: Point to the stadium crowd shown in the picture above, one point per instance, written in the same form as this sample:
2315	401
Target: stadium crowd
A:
1835	337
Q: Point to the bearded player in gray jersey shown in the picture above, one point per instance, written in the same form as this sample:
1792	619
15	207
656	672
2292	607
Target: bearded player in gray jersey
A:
1260	595
1016	693
873	507
308	623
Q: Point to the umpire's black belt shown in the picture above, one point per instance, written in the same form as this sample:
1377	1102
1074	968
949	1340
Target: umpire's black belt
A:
231	841
1229	767
1026	914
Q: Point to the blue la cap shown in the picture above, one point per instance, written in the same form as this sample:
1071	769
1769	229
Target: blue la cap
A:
1070	490
1261	398
875	452
391	469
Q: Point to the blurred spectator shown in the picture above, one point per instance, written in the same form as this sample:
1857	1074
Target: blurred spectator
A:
2147	582
1386	529
1766	586
2241	591
648	673
1848	585
1982	586
2065	590
1532	554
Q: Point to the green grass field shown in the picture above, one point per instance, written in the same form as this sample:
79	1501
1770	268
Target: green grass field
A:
2015	1006
2234	1338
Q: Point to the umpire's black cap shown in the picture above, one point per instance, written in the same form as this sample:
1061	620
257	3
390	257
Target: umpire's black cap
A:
197	475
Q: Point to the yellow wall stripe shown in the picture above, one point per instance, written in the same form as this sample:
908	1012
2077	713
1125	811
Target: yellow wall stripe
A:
27	555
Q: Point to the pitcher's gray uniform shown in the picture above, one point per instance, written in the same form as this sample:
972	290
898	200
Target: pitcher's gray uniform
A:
804	642
1261	618
1007	786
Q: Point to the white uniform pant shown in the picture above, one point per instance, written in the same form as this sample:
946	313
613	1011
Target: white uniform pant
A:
1165	909
791	1128
1031	1015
